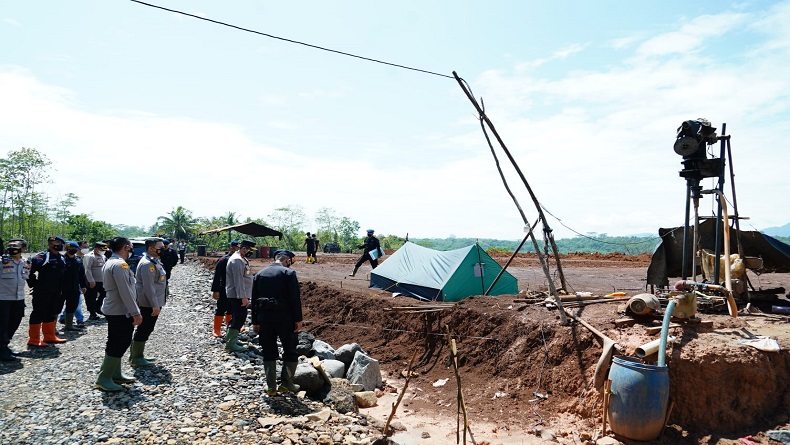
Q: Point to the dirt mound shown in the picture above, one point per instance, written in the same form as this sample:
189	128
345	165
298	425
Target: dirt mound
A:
521	367
511	354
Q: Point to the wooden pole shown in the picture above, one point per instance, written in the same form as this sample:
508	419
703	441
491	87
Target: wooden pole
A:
607	390
546	229
395	405
460	394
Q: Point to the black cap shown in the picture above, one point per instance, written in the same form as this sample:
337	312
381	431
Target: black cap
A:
19	240
247	243
286	252
99	244
56	238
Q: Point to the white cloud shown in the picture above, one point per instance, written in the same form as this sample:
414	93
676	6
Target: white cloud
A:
691	36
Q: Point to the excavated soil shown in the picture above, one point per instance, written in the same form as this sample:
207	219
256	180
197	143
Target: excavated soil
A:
521	369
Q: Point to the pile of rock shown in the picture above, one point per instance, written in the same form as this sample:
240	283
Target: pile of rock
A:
196	392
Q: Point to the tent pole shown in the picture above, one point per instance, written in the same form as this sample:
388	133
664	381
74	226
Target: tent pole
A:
481	266
547	230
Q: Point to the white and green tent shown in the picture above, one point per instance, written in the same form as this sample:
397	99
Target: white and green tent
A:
434	275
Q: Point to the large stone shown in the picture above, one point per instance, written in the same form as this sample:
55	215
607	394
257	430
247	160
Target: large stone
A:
341	397
365	371
334	368
366	399
323	350
308	378
304	345
346	353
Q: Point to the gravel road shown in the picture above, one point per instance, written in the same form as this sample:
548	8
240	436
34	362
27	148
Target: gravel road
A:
197	392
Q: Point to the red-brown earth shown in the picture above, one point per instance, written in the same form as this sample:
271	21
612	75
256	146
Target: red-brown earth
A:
509	351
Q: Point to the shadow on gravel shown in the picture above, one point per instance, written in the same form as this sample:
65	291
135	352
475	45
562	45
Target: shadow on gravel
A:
287	405
9	367
124	399
41	353
153	375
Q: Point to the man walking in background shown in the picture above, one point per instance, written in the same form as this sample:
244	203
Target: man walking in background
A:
371	252
309	243
182	250
317	248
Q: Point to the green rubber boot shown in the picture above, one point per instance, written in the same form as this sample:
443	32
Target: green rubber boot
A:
108	367
119	377
231	338
287	378
70	324
136	357
271	377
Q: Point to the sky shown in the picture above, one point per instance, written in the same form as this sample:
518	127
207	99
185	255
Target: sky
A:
142	110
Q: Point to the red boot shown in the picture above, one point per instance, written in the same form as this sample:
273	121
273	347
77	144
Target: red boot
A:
34	332
50	336
218	325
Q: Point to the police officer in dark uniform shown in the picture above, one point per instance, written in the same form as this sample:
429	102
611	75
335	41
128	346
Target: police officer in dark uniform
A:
278	311
169	259
74	282
14	272
371	244
224	311
46	280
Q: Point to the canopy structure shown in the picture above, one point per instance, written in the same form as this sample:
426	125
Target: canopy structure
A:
250	228
668	257
434	275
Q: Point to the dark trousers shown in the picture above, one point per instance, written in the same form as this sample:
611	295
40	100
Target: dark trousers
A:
11	314
366	257
223	307
267	338
119	335
181	254
239	313
45	306
72	299
94	296
147	326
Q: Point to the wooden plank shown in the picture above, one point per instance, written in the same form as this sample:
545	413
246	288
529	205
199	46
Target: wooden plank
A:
653	330
624	322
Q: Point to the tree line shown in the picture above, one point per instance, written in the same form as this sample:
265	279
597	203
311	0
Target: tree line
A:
26	212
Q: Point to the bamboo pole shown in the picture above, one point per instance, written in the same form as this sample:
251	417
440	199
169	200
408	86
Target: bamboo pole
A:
546	229
395	405
607	389
460	394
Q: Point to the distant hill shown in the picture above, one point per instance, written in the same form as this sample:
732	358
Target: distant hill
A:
777	231
601	243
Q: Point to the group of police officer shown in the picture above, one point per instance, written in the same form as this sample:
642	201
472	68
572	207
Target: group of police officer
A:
131	302
125	298
274	298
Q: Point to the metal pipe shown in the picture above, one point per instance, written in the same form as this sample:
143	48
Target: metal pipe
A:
650	348
662	345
